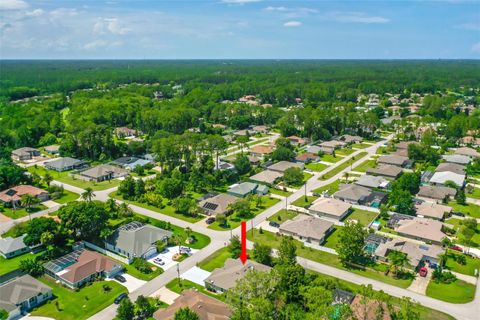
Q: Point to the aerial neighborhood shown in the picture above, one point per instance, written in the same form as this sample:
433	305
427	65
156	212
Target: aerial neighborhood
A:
129	203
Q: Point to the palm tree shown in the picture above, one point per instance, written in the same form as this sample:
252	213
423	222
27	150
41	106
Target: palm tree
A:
345	175
178	240
47	179
397	260
88	194
28	201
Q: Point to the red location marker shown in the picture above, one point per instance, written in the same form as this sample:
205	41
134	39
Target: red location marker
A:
243	255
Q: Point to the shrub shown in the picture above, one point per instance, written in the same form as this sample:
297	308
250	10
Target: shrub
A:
141	265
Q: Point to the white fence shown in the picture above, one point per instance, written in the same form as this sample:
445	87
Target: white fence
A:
106	252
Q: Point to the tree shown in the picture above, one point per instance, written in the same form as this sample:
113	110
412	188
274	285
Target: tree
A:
28	200
144	307
222	220
235	247
88	194
460	197
293	176
185	205
125	310
262	254
397	260
402	200
283	154
241	208
186	314
351	242
287	252
242	164
31	266
3	314
127	188
37	228
47	178
86	219
139	170
170	188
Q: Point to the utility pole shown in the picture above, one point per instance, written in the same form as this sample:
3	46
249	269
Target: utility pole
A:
178	271
306	190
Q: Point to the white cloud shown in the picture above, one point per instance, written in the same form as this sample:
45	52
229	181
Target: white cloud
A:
476	47
112	25
270	8
355	17
239	1
95	44
292	24
35	13
13	5
291	10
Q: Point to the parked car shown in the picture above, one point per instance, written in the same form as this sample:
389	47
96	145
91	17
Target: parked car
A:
274	224
164	251
423	272
158	261
120	278
120	298
210	220
456	248
188	249
457	213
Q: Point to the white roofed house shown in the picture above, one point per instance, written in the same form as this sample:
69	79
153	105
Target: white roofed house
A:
373	182
12	247
441	178
65	164
307	228
331	208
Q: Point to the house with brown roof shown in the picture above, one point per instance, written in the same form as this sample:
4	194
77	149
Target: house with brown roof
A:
330	207
417	253
330	146
432	210
423	229
394	160
469	140
436	193
266	176
348	139
53	149
451	167
281	166
387	171
206	308
81	266
217	204
226	277
405	144
12	197
307	228
103	172
261	150
297	141
307	157
25	153
470	152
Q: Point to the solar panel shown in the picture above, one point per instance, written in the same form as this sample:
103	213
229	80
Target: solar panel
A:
210	206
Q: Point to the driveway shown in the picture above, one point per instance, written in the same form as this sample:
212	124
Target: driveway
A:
167	257
420	284
196	275
166	295
50	204
132	283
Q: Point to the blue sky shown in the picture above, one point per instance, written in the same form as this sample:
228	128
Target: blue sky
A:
239	29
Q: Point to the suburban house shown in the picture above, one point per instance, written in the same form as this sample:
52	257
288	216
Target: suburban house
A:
266	176
353	194
330	146
307	228
136	240
329	207
65	164
130	163
260	150
404	144
457	158
103	172
451	167
222	279
12	247
417	254
81	266
259	129
53	149
206	308
314	149
422	229
469	152
217	204
281	166
348	139
307	157
19	295
245	188
25	153
440	178
254	160
387	171
297	141
374	182
394	160
12	197
436	193
432	210
124	132
222	166
469	140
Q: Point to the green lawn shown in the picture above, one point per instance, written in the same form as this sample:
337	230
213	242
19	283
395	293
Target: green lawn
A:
475	194
131	270
96	186
273	241
283	215
167	210
280	192
330	158
457	292
343	166
331	187
300	202
470	209
315	166
362	216
17	230
332	239
179	286
458	226
67	196
382	150
362	167
233	221
7	265
41	171
76	305
345	151
361	145
19	213
468	268
215	260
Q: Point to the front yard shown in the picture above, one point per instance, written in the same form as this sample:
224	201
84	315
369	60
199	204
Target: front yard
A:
331	188
7	265
469	209
362	216
77	305
96	186
316	166
468	268
21	212
330	158
300	202
362	167
283	215
215	260
67	196
179	286
475	194
279	192
456	292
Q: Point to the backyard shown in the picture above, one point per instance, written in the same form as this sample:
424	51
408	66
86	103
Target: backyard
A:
7	265
74	305
332	239
362	216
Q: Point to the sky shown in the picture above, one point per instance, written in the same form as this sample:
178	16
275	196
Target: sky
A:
239	29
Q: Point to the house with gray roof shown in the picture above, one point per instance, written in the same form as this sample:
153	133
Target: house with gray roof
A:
130	163
266	176
394	160
12	247
329	207
441	178
284	165
417	254
353	194
457	158
136	240
373	182
103	172
307	228
436	193
387	171
21	294
451	167
218	204
25	153
222	279
65	164
245	188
